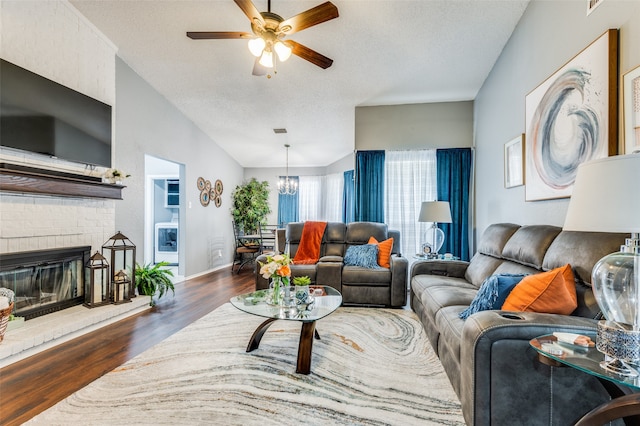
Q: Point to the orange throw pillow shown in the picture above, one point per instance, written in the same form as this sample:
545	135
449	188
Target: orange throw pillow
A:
384	251
552	292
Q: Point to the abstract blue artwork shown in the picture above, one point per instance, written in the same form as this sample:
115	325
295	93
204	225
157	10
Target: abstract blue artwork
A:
571	118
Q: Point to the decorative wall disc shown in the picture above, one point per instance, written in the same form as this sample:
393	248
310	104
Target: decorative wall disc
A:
204	198
218	187
207	185
201	183
218	201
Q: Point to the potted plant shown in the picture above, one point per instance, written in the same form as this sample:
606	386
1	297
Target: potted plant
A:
302	288
154	279
250	205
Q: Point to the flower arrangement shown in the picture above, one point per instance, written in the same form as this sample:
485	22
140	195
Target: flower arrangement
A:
115	175
276	266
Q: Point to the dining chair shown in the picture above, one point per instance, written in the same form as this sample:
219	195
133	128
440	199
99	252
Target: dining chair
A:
248	247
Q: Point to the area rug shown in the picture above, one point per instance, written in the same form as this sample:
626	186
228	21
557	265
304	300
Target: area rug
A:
371	367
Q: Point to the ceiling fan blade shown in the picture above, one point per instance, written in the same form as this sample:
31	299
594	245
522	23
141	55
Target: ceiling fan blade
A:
258	69
317	15
207	35
310	55
250	10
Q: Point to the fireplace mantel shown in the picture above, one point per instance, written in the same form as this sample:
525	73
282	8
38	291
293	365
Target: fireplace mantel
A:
25	179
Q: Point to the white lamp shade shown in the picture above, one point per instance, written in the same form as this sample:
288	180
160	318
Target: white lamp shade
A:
435	211
606	196
266	60
282	50
256	46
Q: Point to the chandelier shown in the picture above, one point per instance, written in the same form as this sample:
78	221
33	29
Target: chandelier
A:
287	185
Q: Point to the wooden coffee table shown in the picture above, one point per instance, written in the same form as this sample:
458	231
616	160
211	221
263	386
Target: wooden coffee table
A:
256	304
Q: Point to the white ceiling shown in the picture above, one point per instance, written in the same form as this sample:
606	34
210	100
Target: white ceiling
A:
384	52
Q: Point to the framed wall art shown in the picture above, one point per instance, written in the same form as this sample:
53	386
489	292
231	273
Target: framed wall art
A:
631	108
572	118
514	162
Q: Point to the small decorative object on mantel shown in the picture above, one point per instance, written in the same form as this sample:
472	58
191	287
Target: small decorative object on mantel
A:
122	253
115	176
98	286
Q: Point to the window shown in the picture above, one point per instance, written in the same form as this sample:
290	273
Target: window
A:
410	179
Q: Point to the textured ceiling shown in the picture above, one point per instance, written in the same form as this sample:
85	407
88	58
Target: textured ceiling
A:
384	52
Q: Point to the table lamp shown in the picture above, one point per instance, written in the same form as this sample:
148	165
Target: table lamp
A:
606	198
434	211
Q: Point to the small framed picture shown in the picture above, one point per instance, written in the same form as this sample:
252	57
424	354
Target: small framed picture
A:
514	162
631	107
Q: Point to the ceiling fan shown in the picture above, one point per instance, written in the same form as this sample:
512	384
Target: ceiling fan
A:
269	32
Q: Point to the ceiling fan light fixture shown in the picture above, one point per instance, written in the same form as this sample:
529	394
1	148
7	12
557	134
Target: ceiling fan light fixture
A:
256	46
282	50
266	60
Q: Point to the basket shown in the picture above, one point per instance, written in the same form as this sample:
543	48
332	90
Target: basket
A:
4	320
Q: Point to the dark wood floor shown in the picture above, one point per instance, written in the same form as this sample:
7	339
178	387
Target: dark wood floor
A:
32	385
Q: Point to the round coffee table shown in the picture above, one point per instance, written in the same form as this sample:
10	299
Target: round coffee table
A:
256	304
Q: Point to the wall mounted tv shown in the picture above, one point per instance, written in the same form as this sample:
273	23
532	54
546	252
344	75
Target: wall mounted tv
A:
40	115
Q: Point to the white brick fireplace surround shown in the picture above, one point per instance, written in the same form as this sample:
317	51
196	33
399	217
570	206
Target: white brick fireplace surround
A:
33	222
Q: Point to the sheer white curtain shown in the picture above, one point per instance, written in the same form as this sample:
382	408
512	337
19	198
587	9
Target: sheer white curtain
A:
310	190
410	179
333	197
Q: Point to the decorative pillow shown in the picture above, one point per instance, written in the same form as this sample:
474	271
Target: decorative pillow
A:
552	292
384	251
365	255
492	293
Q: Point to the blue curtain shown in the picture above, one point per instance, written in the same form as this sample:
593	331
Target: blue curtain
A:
454	182
369	205
348	197
288	206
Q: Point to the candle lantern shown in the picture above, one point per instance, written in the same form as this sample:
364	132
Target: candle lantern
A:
122	254
97	285
121	288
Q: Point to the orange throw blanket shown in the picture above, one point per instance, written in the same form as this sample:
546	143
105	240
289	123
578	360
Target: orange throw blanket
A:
309	250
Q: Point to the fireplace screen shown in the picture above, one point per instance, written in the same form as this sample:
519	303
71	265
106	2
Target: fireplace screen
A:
44	281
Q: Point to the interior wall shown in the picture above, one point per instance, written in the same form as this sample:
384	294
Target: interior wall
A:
548	35
414	126
146	123
52	39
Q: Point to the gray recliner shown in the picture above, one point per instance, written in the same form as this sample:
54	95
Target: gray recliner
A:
359	286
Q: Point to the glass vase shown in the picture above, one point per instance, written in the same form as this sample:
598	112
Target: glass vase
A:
279	290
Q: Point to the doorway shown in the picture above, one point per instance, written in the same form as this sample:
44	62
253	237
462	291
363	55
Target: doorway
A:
164	213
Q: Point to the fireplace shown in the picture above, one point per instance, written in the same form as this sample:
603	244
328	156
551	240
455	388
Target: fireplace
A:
45	281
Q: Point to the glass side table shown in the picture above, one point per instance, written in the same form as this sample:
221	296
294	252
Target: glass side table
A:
625	401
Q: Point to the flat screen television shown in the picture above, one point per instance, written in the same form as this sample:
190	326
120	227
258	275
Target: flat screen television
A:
39	115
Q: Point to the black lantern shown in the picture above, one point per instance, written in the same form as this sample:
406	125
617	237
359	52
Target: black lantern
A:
122	253
97	286
121	288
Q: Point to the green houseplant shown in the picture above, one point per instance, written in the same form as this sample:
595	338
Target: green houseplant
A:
250	205
154	279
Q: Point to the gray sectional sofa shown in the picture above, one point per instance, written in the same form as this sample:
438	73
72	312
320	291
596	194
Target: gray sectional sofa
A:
359	286
487	357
